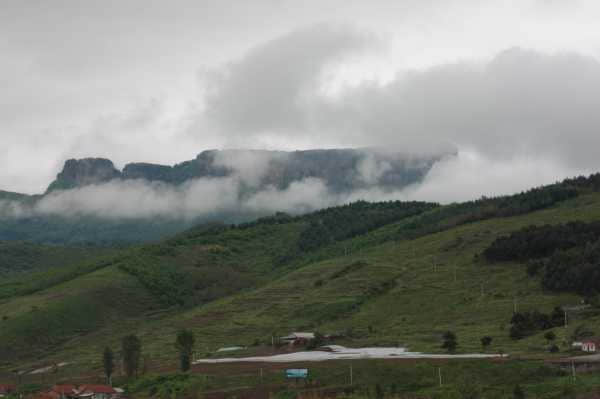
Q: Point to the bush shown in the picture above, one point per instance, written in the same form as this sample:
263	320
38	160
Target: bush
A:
449	341
486	341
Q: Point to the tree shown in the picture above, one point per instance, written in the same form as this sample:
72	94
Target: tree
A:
131	347
449	341
108	363
486	341
550	336
185	345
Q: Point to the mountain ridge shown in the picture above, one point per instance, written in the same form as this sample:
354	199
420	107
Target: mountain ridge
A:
238	186
337	167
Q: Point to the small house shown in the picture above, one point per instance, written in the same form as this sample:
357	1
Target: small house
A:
298	338
590	345
6	389
96	392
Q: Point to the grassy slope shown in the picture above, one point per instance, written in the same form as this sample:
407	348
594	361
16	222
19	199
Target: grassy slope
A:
394	289
422	305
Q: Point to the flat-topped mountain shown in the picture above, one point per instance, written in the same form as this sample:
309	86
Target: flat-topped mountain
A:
342	170
92	201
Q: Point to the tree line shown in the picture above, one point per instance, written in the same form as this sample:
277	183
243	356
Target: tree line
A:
536	242
358	218
566	255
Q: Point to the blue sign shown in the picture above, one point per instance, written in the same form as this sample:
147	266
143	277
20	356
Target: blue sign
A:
296	373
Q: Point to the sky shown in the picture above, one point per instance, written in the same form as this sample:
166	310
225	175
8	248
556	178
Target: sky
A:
513	85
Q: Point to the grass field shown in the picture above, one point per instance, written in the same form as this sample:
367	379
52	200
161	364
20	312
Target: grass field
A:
355	379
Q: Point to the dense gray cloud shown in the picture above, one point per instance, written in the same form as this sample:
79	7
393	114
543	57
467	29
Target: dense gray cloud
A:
273	87
520	104
120	79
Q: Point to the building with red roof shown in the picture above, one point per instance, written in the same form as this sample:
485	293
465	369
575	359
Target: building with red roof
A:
6	389
590	345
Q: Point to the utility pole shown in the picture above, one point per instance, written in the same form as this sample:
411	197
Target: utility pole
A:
440	375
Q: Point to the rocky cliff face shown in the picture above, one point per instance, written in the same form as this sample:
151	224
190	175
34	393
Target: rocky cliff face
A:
83	172
341	169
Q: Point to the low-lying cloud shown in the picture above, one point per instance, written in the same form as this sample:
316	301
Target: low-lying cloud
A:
453	178
196	199
240	184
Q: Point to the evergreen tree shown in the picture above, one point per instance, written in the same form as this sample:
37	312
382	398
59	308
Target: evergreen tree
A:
185	345
486	341
132	351
449	341
550	336
108	363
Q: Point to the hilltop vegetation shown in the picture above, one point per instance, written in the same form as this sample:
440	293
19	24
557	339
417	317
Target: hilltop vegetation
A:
377	274
22	257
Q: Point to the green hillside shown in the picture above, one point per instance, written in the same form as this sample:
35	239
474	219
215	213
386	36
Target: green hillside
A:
375	274
21	257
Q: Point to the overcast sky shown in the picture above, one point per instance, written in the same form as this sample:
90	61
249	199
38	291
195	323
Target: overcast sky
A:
514	85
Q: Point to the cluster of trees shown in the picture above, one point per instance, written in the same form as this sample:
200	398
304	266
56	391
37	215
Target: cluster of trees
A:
131	354
567	255
576	270
524	324
591	182
536	242
348	221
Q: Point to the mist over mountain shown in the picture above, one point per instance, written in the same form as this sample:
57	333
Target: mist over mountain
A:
91	200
